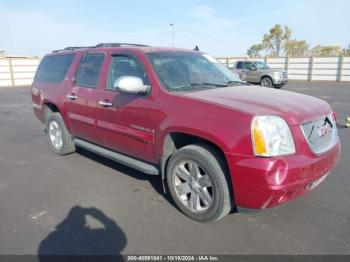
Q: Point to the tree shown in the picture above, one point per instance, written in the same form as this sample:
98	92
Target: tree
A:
296	48
276	39
2	53
254	50
346	51
331	50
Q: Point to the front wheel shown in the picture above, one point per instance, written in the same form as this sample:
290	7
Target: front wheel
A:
266	82
198	184
279	86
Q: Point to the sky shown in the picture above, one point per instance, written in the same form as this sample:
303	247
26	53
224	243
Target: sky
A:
221	28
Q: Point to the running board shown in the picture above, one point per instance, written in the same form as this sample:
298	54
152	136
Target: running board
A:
120	158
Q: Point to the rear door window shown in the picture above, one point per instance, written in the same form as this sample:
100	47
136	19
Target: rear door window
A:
249	65
54	68
89	70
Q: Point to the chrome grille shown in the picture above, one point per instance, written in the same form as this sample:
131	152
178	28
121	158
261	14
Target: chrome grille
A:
321	134
284	74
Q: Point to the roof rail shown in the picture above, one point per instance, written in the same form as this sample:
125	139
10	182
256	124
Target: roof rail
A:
117	45
69	48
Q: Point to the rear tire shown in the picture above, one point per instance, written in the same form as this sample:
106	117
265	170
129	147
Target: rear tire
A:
198	184
60	140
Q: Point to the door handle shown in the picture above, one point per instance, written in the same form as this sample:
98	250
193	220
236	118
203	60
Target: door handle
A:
72	97
105	103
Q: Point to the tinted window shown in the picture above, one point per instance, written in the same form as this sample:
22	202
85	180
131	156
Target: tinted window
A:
89	70
239	65
53	68
249	66
124	66
261	65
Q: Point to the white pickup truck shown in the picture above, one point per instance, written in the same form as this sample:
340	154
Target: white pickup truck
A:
257	72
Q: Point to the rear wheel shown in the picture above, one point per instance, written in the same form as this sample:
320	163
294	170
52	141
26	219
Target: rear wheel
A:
198	184
60	140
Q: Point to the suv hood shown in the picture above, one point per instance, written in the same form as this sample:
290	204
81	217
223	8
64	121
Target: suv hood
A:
271	70
255	100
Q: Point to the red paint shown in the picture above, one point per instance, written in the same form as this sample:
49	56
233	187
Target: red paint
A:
138	125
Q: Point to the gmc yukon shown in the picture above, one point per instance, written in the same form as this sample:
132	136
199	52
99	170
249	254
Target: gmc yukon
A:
216	143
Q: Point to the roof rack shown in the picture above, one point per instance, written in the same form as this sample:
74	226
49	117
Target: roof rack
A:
69	48
117	45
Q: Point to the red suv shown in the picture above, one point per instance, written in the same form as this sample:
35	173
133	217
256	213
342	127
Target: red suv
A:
217	142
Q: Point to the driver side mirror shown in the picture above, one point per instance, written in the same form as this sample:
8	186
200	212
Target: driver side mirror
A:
131	85
253	68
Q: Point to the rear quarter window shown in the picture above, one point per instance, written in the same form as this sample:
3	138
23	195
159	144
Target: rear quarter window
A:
54	68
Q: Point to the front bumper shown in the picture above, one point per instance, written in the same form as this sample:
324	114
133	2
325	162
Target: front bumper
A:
280	81
261	183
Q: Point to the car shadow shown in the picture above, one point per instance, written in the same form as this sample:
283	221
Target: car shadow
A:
85	231
154	180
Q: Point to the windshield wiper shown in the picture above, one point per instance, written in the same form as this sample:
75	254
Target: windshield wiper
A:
199	84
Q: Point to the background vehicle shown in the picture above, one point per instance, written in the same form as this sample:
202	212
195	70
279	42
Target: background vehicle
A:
216	142
257	72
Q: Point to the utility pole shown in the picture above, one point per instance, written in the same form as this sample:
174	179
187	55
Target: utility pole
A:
173	33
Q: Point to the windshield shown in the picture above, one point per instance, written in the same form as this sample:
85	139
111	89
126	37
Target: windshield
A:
189	71
261	65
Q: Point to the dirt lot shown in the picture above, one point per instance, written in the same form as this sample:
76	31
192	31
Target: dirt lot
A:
84	203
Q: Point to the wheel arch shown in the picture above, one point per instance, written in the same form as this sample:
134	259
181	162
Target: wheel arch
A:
49	106
176	140
263	76
55	108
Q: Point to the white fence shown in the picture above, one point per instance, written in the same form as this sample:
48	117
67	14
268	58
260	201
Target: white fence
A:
17	71
304	68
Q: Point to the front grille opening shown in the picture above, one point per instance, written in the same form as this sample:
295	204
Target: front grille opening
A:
322	134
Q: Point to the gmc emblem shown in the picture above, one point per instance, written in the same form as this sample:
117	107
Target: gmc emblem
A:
326	128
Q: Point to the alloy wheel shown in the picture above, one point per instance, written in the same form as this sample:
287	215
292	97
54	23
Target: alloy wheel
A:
193	186
55	135
266	82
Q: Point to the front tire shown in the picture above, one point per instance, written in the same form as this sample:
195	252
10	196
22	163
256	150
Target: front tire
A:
278	86
266	82
59	138
198	184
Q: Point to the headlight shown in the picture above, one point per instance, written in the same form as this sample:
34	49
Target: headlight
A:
278	75
271	136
